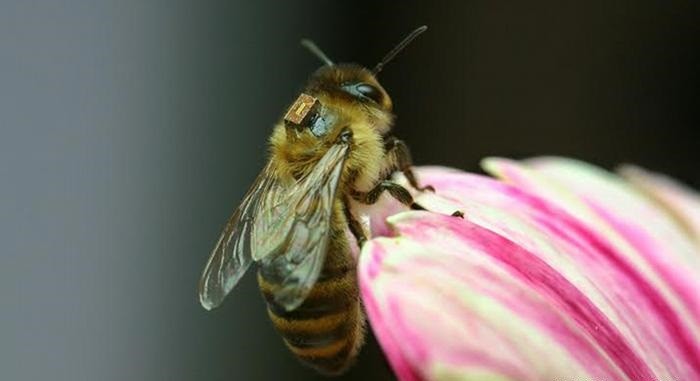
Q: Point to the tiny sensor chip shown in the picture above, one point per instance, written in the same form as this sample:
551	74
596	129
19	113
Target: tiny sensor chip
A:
300	111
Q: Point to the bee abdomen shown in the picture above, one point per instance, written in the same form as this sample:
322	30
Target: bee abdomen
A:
326	331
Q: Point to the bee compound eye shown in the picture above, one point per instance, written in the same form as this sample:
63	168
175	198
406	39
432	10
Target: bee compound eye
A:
363	91
369	91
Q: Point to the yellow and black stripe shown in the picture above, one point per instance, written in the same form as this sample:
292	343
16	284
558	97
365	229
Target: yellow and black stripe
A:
327	329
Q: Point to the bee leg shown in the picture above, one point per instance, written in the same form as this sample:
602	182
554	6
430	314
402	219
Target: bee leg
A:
355	226
399	149
395	190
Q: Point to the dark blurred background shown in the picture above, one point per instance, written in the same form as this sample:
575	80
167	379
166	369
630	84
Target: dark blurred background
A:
129	130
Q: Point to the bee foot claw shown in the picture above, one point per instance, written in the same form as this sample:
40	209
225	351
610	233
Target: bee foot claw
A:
415	206
459	214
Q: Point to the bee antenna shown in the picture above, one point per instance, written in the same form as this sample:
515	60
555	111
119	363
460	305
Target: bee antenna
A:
399	47
315	50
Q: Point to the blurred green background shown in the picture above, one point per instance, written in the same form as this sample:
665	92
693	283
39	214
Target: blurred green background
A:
129	130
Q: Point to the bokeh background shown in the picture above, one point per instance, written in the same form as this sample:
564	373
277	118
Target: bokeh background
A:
129	130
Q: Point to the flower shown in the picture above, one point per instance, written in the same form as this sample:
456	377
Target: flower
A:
558	271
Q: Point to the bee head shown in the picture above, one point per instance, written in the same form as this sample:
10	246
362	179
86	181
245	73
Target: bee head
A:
339	91
349	84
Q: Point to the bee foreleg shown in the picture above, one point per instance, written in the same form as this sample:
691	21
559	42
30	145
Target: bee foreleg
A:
395	190
399	149
355	226
402	155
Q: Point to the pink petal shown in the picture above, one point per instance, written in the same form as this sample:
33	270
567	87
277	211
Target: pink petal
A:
536	283
681	202
650	236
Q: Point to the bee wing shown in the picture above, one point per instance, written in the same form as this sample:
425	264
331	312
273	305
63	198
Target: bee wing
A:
291	237
232	255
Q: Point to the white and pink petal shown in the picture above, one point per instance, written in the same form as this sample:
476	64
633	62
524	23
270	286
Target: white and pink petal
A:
533	284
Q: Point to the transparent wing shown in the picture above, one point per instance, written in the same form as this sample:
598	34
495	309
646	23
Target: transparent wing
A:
291	237
232	255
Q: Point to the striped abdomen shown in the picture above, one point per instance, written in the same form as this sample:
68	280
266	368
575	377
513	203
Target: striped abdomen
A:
327	330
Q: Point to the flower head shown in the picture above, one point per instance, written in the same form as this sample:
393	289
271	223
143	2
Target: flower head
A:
559	270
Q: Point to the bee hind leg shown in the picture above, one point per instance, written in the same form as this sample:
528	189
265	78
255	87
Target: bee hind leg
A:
355	226
400	151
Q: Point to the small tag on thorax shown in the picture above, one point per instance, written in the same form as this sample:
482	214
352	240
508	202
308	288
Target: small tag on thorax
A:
300	111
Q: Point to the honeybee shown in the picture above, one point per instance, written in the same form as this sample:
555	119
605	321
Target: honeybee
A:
332	146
